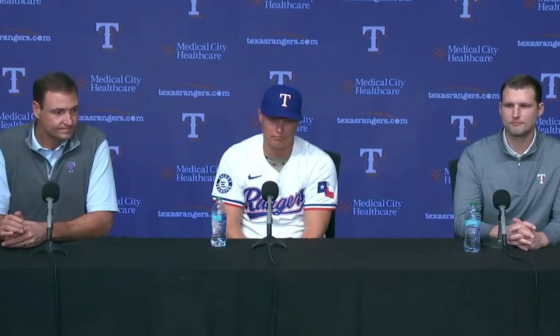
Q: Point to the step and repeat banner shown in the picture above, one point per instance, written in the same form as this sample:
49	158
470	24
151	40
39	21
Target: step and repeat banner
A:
397	87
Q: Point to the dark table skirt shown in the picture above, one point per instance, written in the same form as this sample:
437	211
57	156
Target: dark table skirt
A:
342	287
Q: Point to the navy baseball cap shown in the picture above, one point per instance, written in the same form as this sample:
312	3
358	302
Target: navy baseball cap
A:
282	101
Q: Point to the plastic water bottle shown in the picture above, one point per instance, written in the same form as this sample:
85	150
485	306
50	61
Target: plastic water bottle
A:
219	221
472	230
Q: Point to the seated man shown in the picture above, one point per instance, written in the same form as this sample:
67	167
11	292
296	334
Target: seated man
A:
521	160
306	175
55	147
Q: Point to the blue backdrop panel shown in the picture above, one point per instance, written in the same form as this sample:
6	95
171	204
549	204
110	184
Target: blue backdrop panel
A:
398	88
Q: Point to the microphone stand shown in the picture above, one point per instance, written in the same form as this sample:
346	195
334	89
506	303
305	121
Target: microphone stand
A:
49	246
501	242
269	240
502	232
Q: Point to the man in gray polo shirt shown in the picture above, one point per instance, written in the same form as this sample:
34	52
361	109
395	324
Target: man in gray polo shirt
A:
55	147
521	160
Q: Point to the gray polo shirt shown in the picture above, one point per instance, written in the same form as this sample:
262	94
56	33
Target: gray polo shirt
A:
532	179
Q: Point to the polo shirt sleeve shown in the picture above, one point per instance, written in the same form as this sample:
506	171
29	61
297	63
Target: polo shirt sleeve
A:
467	190
4	188
228	183
552	230
102	194
322	190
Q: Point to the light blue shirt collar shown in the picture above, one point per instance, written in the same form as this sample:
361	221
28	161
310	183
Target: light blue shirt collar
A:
36	146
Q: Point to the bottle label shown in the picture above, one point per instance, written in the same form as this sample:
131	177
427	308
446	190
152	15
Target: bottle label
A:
217	217
472	222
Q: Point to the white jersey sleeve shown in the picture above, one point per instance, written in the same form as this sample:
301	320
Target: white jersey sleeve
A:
228	183
322	190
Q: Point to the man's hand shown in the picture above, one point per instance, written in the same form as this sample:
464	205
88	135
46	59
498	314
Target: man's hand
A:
540	241
11	226
34	234
522	234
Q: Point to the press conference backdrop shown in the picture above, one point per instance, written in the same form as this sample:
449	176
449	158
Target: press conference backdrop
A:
398	88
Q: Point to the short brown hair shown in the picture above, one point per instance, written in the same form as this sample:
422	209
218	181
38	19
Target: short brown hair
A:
56	82
522	82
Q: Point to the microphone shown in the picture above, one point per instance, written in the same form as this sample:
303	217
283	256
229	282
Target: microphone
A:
50	194
502	201
269	191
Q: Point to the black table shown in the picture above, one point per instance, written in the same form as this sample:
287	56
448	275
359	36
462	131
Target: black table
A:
346	287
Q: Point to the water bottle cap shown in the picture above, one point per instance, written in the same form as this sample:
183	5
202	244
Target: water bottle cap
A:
218	199
473	203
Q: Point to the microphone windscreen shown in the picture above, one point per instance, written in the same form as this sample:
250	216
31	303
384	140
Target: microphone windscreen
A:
50	190
501	197
269	189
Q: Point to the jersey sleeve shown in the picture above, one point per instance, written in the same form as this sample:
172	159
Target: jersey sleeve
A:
322	191
228	183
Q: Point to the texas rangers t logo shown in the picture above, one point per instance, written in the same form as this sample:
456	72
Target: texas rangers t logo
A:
71	166
285	97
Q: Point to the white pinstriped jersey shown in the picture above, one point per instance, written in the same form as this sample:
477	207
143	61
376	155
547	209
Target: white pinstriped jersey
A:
307	181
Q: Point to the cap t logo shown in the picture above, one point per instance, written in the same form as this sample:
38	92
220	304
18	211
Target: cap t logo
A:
285	97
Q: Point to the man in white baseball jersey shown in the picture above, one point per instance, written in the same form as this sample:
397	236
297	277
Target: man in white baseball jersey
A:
306	175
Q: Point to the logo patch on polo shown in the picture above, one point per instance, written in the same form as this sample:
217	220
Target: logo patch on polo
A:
71	166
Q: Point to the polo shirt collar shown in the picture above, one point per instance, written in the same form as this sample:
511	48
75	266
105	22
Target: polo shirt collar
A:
511	151
36	146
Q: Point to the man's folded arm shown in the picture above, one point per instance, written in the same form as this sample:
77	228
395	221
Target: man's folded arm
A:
229	187
552	230
101	203
321	198
4	189
467	190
